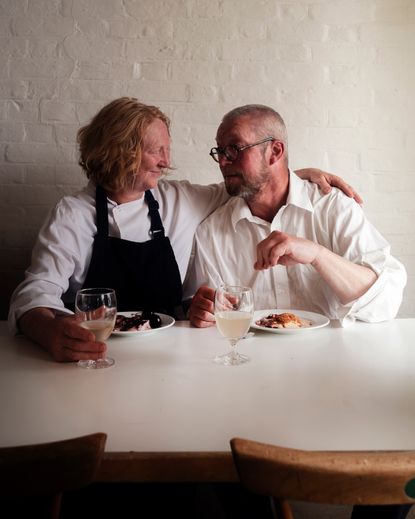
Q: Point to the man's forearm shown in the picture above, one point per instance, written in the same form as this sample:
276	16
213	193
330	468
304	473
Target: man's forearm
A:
348	280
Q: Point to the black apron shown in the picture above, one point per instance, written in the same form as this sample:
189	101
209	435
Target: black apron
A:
144	275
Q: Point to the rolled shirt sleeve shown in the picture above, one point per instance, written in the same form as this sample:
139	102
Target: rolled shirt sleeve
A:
383	299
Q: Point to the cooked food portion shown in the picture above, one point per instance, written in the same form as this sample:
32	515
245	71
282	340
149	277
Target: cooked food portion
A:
285	320
137	322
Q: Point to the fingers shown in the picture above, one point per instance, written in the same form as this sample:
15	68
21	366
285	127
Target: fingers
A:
354	194
72	351
334	180
201	312
325	182
69	342
269	251
69	349
72	329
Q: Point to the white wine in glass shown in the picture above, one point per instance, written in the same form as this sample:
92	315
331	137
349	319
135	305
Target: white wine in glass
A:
234	310
96	310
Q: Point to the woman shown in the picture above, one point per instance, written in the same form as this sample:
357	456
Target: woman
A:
127	229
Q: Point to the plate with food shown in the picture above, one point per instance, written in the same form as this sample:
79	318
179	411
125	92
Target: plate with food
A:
141	323
288	321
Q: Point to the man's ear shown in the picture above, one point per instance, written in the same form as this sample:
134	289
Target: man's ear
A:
277	151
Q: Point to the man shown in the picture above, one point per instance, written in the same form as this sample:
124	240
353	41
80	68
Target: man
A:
296	247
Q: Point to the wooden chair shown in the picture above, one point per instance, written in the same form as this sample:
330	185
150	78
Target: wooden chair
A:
342	478
35	476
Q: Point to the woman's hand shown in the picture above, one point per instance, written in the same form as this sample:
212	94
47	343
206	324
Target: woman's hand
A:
61	335
326	181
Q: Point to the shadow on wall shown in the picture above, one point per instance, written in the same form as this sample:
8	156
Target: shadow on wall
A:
8	282
23	209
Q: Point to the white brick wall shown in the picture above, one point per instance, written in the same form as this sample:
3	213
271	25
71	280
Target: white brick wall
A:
341	72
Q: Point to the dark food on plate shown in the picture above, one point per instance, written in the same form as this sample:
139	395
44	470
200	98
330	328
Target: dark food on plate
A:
285	320
137	322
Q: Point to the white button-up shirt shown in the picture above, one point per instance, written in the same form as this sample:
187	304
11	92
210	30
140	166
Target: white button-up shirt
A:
225	251
62	253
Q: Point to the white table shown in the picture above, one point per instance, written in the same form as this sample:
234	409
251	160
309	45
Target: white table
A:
170	412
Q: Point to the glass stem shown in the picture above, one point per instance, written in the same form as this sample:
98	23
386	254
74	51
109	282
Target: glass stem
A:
233	343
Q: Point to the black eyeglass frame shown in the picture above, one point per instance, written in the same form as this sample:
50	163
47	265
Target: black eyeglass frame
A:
215	152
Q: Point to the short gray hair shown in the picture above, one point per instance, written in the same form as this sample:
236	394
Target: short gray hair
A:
270	123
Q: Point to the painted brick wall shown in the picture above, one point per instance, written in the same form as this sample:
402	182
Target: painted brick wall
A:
341	72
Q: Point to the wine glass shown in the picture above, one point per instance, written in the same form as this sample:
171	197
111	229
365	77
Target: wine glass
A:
96	310
234	310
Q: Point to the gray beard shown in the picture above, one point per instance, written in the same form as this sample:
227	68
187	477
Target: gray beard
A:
247	190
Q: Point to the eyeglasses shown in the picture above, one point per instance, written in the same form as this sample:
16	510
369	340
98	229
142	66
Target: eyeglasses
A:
231	151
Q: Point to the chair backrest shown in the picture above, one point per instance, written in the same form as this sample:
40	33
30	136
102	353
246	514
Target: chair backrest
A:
331	477
48	469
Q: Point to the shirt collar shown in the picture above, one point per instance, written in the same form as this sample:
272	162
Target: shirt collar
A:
298	193
239	211
297	196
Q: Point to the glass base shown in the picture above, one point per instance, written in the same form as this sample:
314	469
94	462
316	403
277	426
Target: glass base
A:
96	364
231	359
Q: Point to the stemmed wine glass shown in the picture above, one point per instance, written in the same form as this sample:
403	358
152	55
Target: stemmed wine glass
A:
234	310
96	310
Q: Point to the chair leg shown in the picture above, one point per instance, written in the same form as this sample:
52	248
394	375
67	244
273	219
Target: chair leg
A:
281	509
55	505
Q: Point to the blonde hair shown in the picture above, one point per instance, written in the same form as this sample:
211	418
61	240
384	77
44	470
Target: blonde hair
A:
110	145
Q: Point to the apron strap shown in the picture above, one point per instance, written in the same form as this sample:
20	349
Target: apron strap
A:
156	229
102	212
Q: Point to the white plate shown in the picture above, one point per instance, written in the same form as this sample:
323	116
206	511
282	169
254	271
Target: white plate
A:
317	320
166	322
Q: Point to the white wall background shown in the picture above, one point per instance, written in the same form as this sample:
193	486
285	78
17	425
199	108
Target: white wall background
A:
341	73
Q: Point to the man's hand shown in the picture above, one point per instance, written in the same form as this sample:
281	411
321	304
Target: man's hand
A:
348	280
326	181
202	307
62	336
284	249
